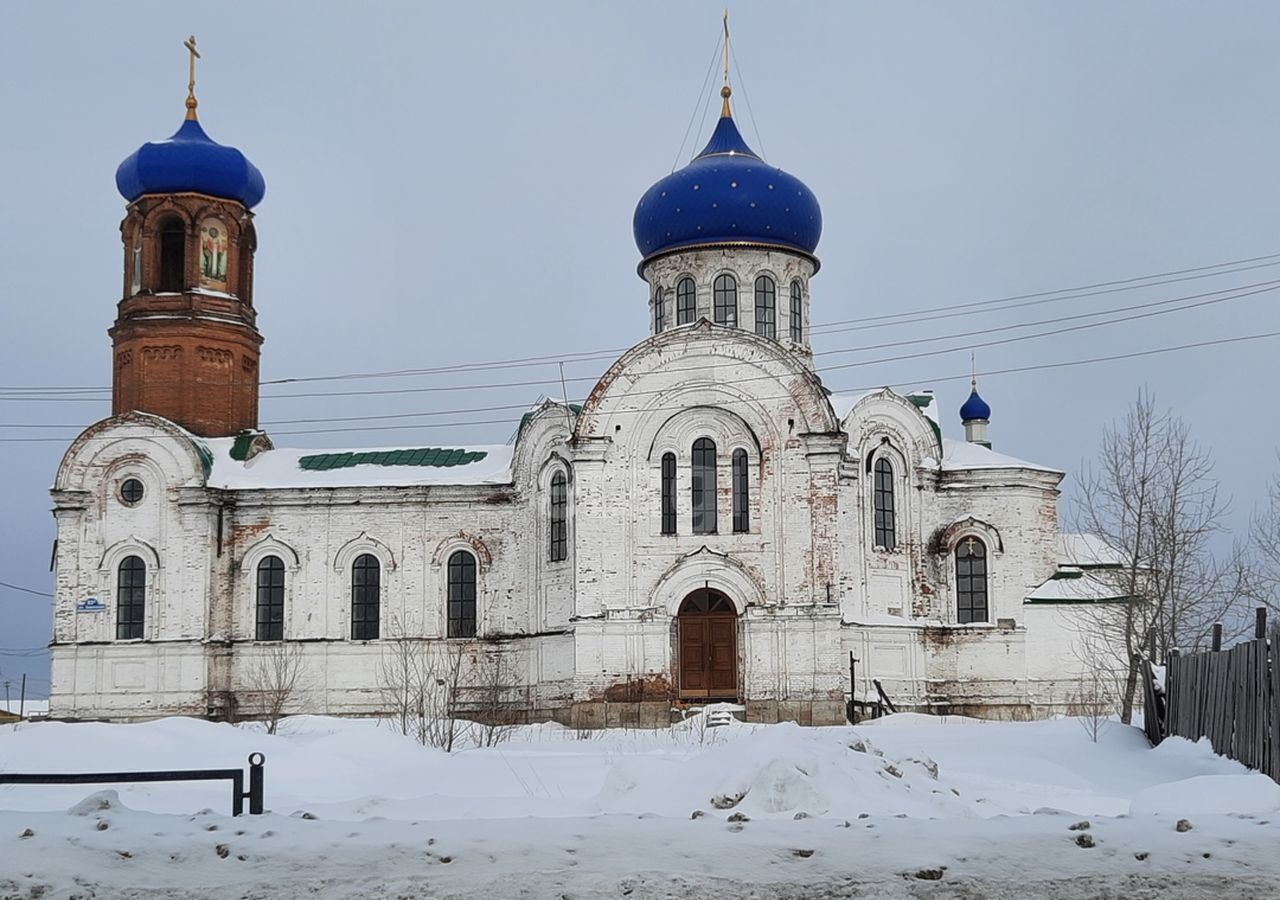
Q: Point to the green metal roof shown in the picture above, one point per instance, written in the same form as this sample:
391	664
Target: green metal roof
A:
426	456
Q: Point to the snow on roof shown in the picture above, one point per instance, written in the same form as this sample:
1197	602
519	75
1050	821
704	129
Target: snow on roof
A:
1083	550
1068	586
924	401
363	467
843	404
963	455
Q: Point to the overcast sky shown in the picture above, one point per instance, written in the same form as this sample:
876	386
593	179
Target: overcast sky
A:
455	183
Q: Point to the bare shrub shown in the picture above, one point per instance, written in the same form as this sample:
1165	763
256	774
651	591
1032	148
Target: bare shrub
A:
272	678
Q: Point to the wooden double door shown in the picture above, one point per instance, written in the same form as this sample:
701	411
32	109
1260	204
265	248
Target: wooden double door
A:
708	646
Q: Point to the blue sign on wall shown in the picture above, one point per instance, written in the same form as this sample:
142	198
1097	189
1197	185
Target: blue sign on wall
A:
92	604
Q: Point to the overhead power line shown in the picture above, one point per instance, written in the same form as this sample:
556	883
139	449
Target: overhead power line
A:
862	323
965	376
25	590
1152	307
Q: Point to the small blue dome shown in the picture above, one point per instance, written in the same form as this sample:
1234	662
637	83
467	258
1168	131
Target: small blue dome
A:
975	407
727	194
190	161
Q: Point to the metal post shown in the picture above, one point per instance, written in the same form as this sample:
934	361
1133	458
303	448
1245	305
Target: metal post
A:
255	783
237	793
1260	626
1217	636
853	691
22	698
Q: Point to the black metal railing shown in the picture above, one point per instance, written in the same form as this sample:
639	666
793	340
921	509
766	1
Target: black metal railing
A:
235	776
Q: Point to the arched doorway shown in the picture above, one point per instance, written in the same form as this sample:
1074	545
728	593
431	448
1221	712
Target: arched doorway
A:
707	628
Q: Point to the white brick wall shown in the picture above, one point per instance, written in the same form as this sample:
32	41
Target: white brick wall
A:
805	579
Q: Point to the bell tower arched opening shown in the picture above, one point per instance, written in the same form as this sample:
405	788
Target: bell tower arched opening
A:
707	646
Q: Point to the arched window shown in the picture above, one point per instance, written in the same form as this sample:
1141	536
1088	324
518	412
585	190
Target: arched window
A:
462	595
686	301
741	506
971	581
797	314
366	597
704	486
559	533
668	493
131	598
270	596
659	311
886	534
766	307
725	294
173	253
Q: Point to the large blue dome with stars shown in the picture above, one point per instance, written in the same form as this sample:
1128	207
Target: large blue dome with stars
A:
727	195
190	161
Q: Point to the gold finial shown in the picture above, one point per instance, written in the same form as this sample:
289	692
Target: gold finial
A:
726	91
973	372
190	44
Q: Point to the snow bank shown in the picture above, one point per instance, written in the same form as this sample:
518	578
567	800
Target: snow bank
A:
782	769
1247	794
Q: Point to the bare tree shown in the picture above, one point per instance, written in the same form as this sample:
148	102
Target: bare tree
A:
272	678
420	681
1152	499
1093	701
491	690
1264	587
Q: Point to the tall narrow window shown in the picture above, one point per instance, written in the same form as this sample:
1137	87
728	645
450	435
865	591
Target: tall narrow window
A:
725	294
270	617
366	597
462	595
741	504
659	311
668	493
131	598
686	301
886	528
559	531
766	307
971	581
704	486
173	251
797	314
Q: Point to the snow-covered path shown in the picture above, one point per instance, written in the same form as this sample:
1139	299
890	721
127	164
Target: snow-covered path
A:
905	807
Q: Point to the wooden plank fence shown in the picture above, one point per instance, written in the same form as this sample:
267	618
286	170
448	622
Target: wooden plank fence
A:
1231	696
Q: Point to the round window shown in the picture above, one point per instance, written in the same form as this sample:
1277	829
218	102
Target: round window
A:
131	491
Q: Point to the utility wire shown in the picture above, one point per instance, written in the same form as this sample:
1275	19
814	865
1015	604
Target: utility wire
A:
1215	297
887	320
965	376
15	587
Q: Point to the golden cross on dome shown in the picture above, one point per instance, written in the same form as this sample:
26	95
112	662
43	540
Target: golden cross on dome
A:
726	91
190	44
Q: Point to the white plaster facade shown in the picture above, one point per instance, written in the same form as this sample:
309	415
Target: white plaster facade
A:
599	627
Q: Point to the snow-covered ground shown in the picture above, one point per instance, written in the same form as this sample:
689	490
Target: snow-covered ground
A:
908	806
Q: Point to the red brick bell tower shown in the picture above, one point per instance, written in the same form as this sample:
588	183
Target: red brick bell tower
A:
185	341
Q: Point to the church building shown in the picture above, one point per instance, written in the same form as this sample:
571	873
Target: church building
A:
711	523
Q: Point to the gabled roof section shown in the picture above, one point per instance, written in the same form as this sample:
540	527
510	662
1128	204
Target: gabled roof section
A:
1076	586
965	456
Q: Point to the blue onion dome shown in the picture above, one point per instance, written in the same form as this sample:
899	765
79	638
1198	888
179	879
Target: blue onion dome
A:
975	407
190	161
727	195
